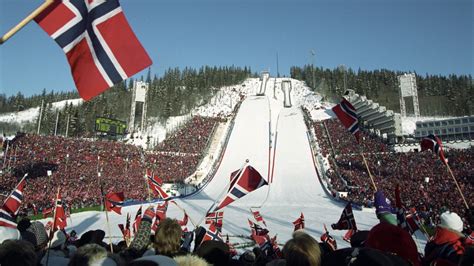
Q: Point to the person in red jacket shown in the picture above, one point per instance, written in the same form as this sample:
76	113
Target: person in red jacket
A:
446	247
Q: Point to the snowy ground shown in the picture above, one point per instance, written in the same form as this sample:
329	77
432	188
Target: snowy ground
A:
31	114
295	187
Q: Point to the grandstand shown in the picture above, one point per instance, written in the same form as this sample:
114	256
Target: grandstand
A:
385	123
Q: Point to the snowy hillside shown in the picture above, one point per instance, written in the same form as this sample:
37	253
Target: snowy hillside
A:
294	188
31	114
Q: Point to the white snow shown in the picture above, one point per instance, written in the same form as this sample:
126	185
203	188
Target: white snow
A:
295	187
31	114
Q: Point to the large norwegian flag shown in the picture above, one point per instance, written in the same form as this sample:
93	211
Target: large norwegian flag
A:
100	46
114	201
6	219
347	220
60	221
348	117
13	202
247	181
433	143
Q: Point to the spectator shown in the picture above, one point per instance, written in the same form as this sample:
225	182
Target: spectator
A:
447	245
302	249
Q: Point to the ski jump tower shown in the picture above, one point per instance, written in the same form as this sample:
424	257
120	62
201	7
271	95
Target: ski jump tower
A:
140	90
408	89
286	88
265	76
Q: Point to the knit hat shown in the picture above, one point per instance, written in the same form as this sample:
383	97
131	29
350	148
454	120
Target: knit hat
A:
7	233
393	239
38	233
451	220
382	204
59	239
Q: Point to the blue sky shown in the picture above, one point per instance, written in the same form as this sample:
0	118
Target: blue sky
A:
427	36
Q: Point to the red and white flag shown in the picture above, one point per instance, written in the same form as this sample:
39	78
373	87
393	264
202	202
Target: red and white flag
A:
60	221
258	217
100	46
212	234
216	218
347	220
114	201
348	117
13	202
299	223
6	219
434	144
242	184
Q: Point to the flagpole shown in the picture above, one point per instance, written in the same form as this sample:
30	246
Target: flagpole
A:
25	21
103	204
368	171
224	191
457	185
52	228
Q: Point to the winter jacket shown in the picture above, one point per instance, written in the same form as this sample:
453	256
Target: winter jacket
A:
445	247
56	257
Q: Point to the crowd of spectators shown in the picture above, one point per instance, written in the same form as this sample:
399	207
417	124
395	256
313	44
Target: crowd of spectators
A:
77	163
425	183
384	244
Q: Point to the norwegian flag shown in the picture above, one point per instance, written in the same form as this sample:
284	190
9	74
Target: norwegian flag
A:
299	223
258	217
100	46
153	180
348	117
248	181
212	234
60	221
137	221
114	201
257	229
216	218
433	143
155	183
347	220
13	201
6	219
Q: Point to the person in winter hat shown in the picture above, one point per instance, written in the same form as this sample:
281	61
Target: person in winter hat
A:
57	254
36	235
393	239
17	252
446	247
383	208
